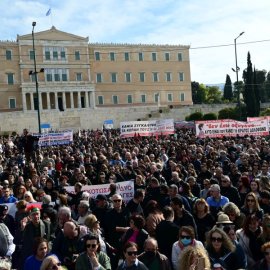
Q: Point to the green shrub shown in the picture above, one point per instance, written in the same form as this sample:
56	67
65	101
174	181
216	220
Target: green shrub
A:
210	116
194	116
265	112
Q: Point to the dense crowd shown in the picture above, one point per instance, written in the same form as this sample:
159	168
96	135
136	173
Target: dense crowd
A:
198	203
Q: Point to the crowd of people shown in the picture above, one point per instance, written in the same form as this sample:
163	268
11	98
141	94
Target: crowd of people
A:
198	203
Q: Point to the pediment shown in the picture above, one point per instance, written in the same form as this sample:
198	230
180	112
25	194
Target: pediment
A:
53	34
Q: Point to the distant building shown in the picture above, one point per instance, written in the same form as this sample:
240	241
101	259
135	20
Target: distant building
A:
80	75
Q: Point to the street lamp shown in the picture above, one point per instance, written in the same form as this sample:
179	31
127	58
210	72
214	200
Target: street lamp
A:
236	71
35	72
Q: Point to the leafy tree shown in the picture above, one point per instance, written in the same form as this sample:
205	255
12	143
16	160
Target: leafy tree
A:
256	93
228	113
198	93
260	83
266	112
210	116
241	89
213	95
228	93
194	116
267	86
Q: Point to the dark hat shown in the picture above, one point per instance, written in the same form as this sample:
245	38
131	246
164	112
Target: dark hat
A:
101	197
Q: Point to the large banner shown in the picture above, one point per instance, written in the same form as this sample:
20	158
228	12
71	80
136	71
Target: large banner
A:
147	128
231	128
56	138
126	189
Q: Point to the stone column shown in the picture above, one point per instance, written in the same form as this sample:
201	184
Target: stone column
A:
86	99
92	100
48	101
56	100
24	101
79	100
71	100
32	101
64	100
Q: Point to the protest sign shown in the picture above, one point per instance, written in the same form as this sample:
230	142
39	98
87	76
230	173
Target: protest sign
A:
125	189
231	128
147	128
59	138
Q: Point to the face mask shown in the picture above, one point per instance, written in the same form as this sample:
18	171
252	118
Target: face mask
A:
150	254
185	241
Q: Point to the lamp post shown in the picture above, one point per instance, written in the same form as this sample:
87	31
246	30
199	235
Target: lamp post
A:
236	71
35	74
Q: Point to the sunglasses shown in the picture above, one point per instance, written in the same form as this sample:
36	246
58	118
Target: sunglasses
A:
185	237
130	253
216	239
55	266
249	200
91	245
117	200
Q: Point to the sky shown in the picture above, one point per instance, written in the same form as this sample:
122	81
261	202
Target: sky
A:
204	25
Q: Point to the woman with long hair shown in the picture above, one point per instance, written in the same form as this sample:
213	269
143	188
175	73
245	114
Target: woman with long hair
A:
252	207
234	214
51	263
203	218
92	257
220	249
255	187
243	188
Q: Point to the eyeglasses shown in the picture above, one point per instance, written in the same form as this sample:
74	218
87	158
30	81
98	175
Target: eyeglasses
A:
55	266
216	239
185	237
91	245
117	201
130	253
250	200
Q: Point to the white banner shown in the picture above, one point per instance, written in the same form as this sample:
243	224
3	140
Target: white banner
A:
147	128
125	189
55	138
231	128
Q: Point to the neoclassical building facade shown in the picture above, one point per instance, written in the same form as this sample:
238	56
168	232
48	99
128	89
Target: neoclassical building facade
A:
73	74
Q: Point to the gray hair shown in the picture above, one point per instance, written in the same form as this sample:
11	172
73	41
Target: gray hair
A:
5	265
64	210
84	204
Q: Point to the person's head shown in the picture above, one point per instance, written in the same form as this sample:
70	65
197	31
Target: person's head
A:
206	183
255	185
117	201
150	247
243	181
21	205
137	222
186	235
64	215
215	191
28	196
168	213
130	251
231	210
201	205
71	230
139	195
40	247
265	196
266	251
194	256
3	210
6	191
51	263
91	222
176	203
83	208
225	181
230	231
91	243
251	224
266	226
218	239
34	214
101	201
251	201
173	190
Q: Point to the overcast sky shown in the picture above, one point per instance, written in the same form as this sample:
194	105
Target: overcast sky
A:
198	23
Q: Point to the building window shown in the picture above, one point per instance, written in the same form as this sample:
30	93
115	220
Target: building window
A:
12	103
126	56
181	76
77	55
99	77
55	55
31	55
129	99
156	97
155	76
47	55
140	56
167	56
78	77
128	77
114	77
100	100
141	76
112	56
63	55
182	96
97	56
168	76
64	75
154	56
143	98
56	77
10	78
180	57
115	99
169	97
8	55
49	76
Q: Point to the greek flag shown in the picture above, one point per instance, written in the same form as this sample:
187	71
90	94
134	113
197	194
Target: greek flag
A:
48	12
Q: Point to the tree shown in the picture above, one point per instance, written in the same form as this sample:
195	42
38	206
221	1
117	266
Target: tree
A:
256	93
213	95
228	93
250	98
198	93
260	78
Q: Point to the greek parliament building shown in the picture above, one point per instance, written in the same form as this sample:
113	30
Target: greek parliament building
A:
81	84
